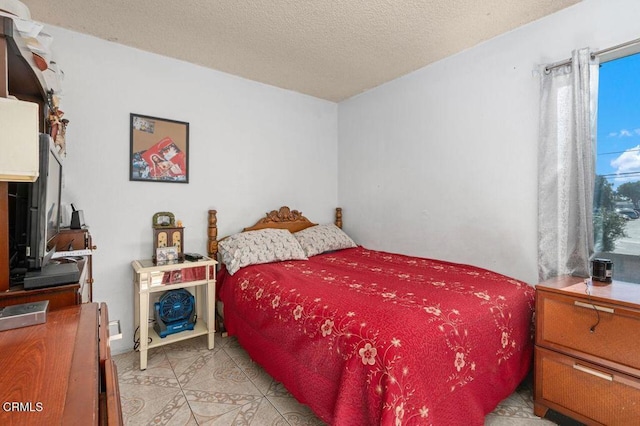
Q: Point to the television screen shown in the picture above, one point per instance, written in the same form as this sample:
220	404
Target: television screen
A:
44	212
52	203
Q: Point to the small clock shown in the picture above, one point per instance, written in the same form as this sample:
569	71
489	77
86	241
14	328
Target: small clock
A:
163	220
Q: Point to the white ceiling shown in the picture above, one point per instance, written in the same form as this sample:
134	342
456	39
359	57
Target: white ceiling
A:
330	49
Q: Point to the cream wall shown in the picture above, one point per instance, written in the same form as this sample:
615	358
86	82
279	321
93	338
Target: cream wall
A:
442	162
252	148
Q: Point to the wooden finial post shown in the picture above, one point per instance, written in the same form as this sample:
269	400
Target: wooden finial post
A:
339	217
212	249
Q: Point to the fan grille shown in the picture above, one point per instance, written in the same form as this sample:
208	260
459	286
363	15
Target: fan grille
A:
176	305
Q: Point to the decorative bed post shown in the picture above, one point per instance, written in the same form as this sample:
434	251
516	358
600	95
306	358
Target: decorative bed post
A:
213	235
339	217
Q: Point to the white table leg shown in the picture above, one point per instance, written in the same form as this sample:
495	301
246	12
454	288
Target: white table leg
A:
144	328
210	303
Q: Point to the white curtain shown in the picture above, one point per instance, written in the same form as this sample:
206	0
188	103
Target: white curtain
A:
566	167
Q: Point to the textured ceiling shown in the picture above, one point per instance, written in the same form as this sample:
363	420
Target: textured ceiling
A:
331	49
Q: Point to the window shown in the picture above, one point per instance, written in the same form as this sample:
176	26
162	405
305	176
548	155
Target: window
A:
616	213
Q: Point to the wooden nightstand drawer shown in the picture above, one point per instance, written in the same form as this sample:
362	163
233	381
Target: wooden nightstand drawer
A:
565	323
589	392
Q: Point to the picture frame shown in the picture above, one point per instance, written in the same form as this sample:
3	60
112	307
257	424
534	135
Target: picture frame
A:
166	255
159	149
163	220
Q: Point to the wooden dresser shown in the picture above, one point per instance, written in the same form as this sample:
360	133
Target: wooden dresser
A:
60	372
587	354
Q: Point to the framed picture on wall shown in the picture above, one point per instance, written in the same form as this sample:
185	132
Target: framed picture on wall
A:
159	149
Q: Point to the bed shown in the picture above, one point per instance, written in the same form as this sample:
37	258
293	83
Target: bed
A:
368	337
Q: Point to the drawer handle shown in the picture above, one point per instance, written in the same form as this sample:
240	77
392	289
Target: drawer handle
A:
592	306
593	372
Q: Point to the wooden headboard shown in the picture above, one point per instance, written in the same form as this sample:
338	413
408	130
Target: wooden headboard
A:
283	218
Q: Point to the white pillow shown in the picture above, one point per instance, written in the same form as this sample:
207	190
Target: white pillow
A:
262	246
321	238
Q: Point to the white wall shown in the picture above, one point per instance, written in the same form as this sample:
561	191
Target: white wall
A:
443	162
439	163
252	149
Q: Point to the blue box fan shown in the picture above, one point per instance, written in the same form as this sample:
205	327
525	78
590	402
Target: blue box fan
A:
175	312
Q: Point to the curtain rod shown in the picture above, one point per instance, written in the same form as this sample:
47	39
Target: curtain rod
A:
594	54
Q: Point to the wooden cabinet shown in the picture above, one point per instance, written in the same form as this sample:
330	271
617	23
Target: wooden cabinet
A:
63	295
587	358
60	372
151	280
19	77
73	239
79	239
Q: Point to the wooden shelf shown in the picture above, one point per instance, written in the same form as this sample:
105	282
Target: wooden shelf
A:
26	80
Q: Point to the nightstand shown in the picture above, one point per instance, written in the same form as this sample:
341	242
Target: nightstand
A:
152	280
587	358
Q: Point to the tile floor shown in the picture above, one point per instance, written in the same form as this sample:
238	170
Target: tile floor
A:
186	384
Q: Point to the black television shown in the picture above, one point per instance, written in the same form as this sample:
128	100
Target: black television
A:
44	206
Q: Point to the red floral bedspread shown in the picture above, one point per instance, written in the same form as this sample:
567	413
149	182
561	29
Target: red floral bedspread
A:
366	337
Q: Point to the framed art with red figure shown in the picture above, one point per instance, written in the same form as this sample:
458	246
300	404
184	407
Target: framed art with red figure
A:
159	149
166	160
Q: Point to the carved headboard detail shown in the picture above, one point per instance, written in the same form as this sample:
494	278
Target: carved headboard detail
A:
283	218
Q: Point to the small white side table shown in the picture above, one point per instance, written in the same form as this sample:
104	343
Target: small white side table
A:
150	278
